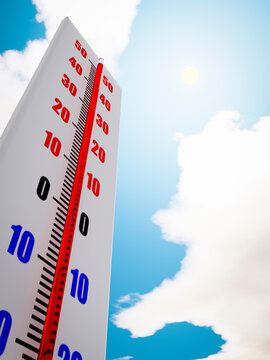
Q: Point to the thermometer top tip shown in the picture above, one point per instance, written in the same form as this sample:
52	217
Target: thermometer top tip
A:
100	61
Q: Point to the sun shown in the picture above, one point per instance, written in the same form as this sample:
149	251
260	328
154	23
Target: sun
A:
190	75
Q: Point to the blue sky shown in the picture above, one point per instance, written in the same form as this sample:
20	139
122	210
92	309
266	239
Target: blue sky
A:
228	43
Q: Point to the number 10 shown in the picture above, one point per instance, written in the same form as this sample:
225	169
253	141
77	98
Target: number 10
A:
82	288
26	244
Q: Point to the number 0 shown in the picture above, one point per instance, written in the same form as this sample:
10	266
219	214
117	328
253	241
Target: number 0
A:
84	224
43	188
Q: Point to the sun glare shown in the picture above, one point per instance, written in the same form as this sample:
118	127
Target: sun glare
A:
190	75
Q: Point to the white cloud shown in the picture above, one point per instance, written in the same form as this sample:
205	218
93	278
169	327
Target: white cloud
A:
222	212
129	298
16	69
105	24
124	358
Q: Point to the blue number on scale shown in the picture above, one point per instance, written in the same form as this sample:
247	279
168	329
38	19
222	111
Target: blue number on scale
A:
26	243
82	292
5	325
64	353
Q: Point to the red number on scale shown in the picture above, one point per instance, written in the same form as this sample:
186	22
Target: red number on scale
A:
102	124
53	143
76	65
65	114
66	82
98	151
81	49
105	102
107	83
93	184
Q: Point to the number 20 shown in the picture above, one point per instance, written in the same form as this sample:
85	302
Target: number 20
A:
64	353
65	114
98	151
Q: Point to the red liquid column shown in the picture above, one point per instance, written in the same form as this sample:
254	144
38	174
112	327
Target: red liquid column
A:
54	309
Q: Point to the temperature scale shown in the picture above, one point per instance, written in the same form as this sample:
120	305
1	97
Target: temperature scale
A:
58	158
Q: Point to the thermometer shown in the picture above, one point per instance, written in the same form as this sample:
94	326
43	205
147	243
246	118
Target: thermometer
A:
58	158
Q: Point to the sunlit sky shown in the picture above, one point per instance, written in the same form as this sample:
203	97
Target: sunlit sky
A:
185	279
